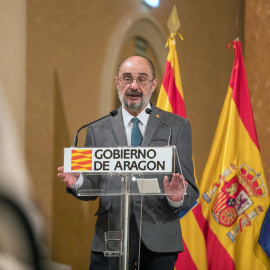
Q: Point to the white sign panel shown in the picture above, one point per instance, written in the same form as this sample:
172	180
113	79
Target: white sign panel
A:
119	159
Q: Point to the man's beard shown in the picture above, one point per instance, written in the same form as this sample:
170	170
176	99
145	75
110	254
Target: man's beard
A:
134	106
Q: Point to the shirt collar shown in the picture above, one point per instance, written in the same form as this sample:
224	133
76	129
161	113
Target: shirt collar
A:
143	116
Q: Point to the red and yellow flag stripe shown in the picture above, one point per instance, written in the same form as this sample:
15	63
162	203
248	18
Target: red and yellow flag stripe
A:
171	99
235	144
81	160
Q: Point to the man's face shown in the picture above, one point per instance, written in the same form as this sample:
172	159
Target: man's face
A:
133	96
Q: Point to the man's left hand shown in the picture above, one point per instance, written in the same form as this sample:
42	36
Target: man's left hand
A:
175	189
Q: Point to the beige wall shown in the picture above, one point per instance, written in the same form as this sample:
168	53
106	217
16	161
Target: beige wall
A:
13	59
257	60
67	48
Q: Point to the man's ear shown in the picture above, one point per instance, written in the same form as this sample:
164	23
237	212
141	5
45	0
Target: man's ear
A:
154	85
116	81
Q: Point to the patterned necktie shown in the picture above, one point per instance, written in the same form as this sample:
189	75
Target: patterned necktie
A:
136	135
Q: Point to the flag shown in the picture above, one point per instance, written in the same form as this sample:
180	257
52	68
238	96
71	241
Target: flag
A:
234	191
264	239
171	99
81	160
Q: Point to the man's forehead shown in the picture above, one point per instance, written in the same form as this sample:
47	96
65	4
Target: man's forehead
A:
130	73
136	65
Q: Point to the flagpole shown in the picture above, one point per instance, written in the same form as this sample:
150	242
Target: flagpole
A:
171	99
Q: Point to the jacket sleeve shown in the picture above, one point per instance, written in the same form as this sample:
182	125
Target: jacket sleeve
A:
184	163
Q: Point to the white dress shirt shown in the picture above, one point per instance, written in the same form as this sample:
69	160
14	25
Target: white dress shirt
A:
127	117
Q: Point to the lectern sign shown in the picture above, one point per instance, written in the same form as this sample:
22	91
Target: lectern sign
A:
119	159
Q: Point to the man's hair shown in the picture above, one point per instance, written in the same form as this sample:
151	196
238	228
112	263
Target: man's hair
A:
150	63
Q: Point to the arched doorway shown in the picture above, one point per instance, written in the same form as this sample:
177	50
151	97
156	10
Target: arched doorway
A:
122	44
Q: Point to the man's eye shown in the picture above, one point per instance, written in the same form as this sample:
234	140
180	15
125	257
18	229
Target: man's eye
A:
141	79
127	79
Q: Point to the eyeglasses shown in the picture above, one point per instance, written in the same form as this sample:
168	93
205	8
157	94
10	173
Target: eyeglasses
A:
141	81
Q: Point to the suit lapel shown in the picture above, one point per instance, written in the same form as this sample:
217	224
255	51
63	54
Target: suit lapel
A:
119	129
152	126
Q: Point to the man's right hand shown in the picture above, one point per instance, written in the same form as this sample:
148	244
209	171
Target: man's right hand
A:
68	178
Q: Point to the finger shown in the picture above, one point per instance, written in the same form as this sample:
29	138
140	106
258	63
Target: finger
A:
182	178
177	176
176	180
166	182
60	175
60	169
182	182
183	186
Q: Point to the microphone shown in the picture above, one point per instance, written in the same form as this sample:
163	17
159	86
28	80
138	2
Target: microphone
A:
75	141
149	111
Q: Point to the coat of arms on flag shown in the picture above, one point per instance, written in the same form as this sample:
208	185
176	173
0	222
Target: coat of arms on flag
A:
235	197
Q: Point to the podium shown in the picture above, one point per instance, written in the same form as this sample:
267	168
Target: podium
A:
124	178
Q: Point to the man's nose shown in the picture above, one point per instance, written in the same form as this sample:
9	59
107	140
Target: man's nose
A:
134	84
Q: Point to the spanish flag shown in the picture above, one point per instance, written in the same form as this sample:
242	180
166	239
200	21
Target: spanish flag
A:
233	188
171	99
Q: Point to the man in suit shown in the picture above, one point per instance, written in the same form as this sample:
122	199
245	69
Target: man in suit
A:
161	238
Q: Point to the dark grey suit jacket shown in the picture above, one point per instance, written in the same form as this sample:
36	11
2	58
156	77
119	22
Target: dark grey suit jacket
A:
161	231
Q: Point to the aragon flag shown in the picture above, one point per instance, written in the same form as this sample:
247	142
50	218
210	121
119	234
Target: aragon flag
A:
171	99
234	191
